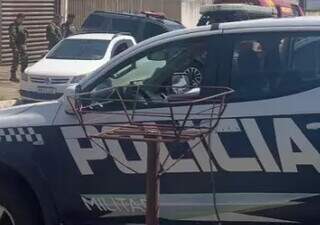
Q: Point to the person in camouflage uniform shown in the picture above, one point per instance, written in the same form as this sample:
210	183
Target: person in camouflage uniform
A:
54	32
68	28
18	38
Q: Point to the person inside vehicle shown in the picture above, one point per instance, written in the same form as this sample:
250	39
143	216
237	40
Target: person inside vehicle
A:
248	61
271	63
247	66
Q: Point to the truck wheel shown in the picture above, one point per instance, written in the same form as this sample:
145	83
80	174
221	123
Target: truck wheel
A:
17	205
195	74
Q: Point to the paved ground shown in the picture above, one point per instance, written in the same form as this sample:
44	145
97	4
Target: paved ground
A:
8	103
8	89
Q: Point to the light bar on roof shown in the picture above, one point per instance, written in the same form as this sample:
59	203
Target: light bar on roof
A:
286	11
270	3
159	15
240	8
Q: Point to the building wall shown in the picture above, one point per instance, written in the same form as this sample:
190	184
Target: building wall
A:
64	9
190	11
295	1
82	8
39	14
312	5
313	13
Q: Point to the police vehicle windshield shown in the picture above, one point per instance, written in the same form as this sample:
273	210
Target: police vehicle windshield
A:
80	49
154	70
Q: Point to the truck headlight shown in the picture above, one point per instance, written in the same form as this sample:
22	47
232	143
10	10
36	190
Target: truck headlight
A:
25	77
77	79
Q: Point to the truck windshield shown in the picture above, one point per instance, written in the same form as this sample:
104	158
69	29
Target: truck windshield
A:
79	49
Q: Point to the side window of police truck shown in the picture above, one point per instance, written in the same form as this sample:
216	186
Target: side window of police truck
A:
273	65
159	72
95	23
119	48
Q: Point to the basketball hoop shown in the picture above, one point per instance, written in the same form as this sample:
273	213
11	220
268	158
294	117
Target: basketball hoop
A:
182	115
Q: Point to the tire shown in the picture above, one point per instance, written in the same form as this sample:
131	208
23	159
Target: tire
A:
17	204
195	74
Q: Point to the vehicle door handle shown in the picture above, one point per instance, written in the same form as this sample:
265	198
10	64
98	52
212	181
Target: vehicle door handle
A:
313	126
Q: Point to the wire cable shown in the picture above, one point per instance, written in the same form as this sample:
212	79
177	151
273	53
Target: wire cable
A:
213	183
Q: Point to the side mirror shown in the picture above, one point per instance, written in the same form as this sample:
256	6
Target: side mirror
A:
69	98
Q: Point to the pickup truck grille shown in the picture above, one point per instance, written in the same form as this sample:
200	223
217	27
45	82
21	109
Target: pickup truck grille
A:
49	80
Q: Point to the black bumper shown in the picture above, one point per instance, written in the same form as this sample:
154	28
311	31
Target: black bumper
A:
38	96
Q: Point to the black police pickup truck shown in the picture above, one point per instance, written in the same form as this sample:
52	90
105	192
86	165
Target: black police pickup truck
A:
141	26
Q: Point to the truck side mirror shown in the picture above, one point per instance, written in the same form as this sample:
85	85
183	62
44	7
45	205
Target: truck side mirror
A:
69	98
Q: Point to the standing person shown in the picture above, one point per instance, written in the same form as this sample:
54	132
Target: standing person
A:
54	32
68	28
18	38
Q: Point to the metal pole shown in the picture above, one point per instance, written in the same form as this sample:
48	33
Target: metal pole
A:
153	183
